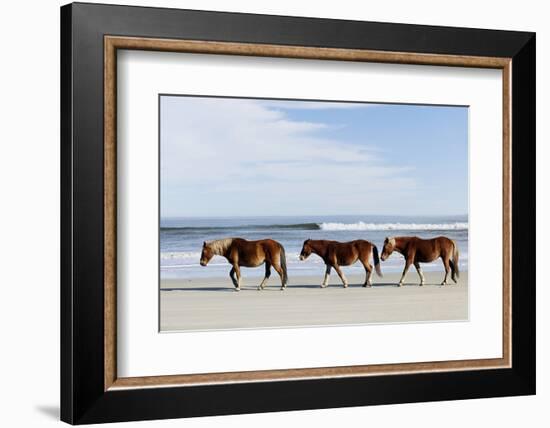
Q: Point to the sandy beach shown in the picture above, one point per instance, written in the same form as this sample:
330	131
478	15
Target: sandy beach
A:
212	303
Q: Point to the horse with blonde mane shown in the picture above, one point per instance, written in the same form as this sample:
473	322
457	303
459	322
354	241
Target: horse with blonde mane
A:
240	252
417	250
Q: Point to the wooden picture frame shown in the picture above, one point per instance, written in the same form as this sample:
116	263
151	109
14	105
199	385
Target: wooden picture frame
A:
91	390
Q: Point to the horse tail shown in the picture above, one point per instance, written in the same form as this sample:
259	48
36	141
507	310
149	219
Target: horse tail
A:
455	259
376	260
283	264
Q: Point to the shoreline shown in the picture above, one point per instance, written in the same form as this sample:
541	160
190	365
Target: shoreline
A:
213	304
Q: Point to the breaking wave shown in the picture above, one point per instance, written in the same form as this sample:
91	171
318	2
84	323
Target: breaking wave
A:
393	226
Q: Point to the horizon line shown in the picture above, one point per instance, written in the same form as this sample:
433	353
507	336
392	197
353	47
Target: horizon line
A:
315	215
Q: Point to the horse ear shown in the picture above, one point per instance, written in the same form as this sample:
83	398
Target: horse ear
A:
204	244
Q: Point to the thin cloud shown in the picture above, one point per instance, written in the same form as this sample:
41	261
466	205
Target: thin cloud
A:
313	105
244	157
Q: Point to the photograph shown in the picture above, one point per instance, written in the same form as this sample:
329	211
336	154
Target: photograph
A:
281	213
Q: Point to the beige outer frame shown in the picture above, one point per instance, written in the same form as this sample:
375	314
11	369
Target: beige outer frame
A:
112	43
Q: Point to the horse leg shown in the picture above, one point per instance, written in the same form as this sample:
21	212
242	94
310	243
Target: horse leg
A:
327	274
447	269
232	276
368	272
238	272
279	270
420	274
453	270
407	265
267	275
341	275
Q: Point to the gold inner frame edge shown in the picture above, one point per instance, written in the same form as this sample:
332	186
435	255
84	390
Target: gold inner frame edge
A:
113	43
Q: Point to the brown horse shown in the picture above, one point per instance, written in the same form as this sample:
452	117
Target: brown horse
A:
240	252
417	250
336	254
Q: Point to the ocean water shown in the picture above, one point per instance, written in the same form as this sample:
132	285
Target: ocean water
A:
181	240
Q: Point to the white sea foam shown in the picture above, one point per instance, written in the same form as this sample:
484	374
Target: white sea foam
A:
180	255
393	226
191	258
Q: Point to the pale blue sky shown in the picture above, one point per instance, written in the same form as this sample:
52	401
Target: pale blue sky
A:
245	157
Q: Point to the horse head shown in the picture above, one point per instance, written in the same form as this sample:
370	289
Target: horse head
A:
306	250
387	249
206	254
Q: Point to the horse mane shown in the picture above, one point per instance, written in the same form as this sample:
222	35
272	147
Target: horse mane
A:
219	246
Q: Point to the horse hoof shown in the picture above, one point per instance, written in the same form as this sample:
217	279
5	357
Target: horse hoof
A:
324	285
345	285
283	288
422	284
237	289
400	284
260	288
443	283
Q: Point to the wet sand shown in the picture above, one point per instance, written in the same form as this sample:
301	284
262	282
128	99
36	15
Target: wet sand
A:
212	303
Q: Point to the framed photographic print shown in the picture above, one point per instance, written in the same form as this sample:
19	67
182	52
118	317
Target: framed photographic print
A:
265	213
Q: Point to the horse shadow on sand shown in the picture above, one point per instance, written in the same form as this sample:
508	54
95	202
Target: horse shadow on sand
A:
216	289
375	285
230	289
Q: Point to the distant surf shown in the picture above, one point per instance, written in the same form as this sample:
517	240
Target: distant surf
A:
329	226
393	226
